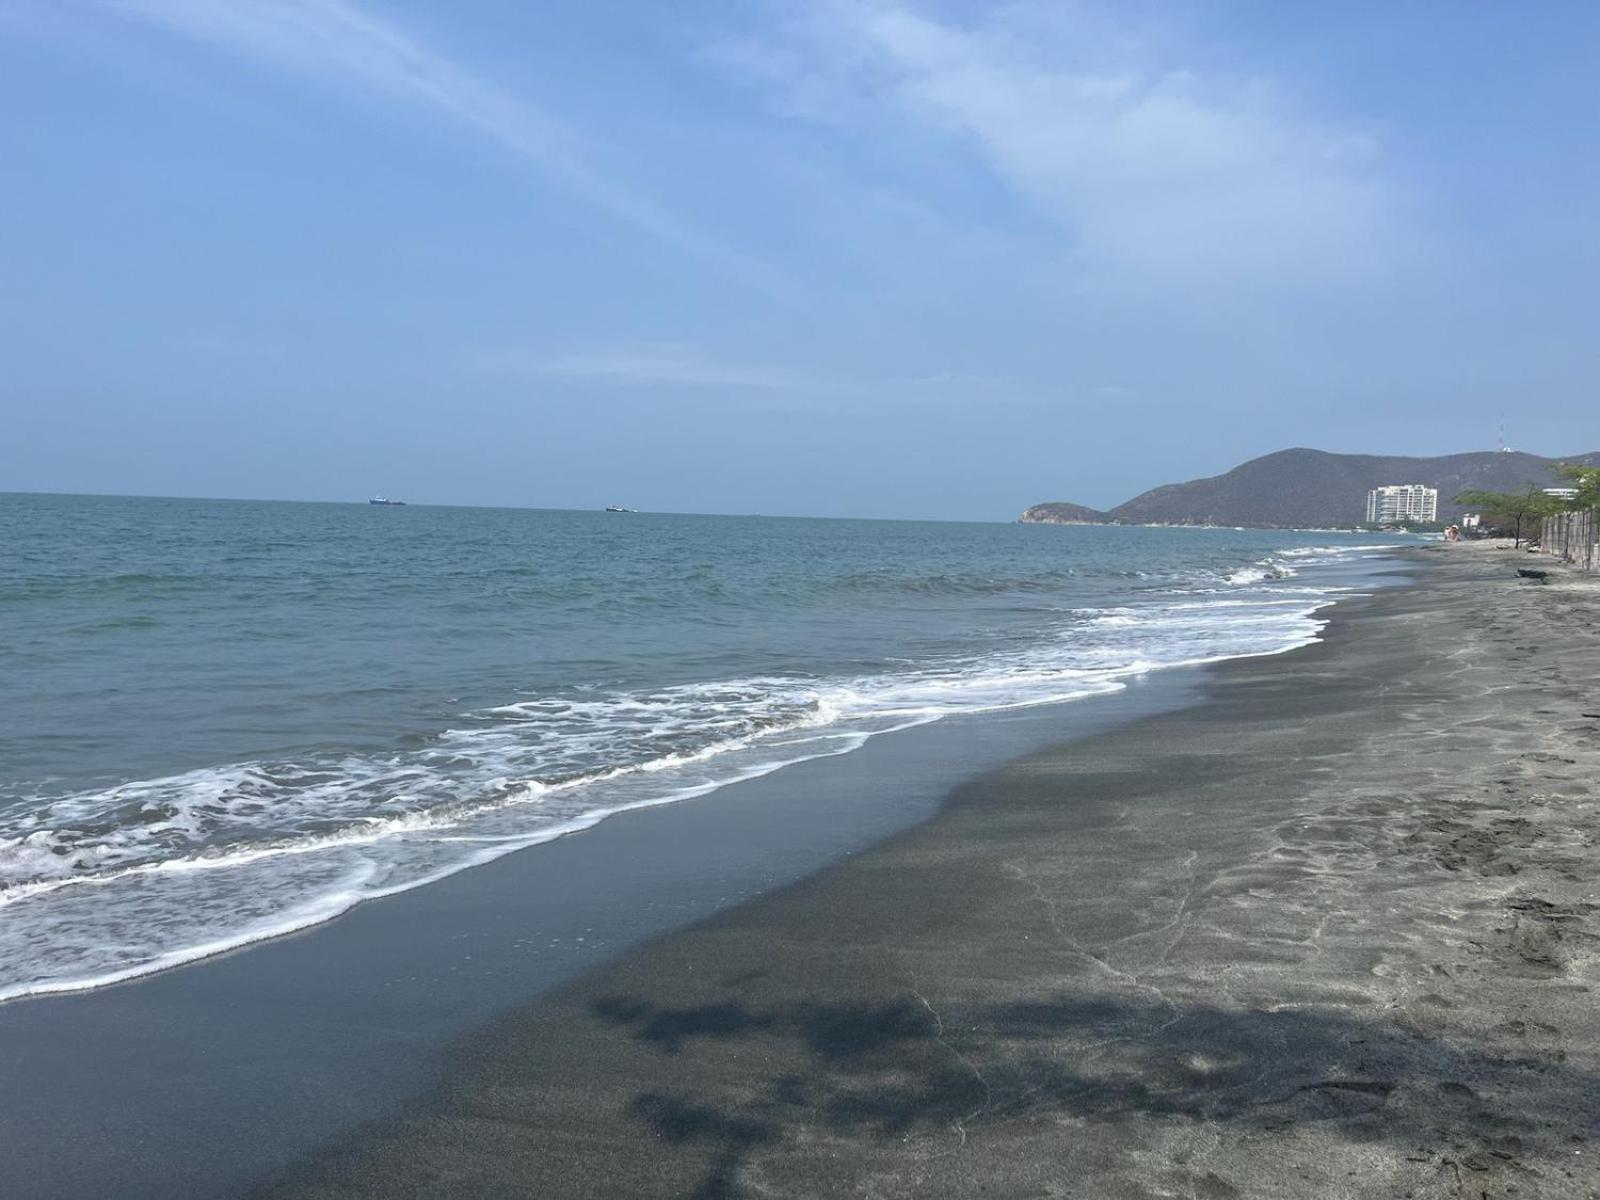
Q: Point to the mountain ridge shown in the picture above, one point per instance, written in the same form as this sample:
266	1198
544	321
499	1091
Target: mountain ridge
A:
1301	487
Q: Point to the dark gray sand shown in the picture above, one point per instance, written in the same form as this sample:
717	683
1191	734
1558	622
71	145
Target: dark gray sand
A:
1331	933
195	1082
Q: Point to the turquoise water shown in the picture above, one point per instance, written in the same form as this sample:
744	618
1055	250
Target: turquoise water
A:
224	720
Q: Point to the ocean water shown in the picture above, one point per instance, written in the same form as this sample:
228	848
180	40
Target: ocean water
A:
223	720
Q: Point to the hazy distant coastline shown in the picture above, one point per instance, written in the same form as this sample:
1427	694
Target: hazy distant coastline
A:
1302	489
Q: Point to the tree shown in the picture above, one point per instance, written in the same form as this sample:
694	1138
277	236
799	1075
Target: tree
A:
1514	507
1586	480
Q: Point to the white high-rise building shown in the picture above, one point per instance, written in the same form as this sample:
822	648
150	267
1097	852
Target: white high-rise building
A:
1399	502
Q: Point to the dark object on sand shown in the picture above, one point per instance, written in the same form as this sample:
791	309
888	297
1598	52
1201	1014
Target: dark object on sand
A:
1530	573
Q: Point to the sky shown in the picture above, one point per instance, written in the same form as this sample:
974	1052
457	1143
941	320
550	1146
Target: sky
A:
883	258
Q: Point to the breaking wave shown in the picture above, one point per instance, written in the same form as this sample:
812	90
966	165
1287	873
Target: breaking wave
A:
103	884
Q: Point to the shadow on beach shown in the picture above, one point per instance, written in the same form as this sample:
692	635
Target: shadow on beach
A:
1330	934
888	1071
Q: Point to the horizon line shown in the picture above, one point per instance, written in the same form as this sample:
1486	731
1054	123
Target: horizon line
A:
776	516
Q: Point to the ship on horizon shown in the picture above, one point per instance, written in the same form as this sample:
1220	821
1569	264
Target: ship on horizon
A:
386	502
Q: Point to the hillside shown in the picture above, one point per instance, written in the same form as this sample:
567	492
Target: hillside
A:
1060	513
1312	487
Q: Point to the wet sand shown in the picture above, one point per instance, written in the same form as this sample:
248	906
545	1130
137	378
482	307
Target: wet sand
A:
194	1082
1330	933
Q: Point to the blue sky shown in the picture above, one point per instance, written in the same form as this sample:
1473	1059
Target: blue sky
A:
879	259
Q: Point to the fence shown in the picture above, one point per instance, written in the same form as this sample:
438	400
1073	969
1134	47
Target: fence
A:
1573	537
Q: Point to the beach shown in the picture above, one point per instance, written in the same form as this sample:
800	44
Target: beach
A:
302	797
1329	932
791	601
199	1081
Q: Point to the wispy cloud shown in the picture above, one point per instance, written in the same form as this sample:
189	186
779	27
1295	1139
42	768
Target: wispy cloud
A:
656	366
959	379
1154	171
341	42
671	366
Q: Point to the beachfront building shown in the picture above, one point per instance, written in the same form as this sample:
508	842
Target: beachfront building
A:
1398	502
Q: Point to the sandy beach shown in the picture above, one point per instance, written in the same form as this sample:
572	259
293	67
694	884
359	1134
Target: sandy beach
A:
799	601
195	1082
1329	933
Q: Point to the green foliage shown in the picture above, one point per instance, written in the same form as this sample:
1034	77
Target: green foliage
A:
1513	508
1586	480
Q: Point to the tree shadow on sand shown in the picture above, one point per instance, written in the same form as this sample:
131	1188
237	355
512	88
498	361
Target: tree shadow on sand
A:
883	1071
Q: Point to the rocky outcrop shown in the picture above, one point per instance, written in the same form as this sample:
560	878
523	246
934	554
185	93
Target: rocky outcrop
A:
1060	513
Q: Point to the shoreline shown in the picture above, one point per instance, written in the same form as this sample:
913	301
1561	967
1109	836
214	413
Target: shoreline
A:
246	845
298	925
286	1043
1328	932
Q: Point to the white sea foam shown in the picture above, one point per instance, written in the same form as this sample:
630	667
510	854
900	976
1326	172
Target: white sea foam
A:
105	884
1331	553
1267	568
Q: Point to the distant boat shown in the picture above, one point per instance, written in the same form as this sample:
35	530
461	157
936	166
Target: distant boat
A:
619	508
384	500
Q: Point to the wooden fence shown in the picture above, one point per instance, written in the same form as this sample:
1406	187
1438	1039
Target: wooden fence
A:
1573	537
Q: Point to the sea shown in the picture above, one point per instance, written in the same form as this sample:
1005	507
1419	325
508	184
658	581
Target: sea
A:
222	721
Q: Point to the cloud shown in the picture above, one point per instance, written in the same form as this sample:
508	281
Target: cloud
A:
677	366
655	366
1149	168
959	379
340	41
